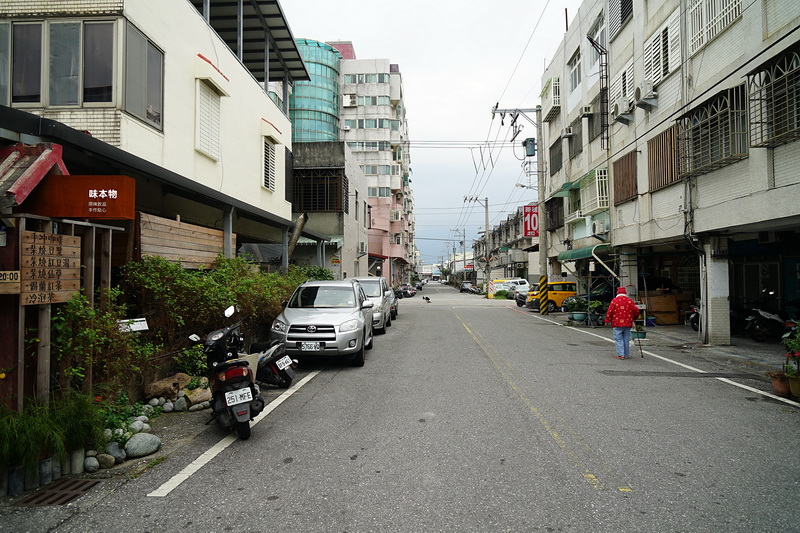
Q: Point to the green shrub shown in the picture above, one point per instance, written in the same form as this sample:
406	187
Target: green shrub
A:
501	294
191	361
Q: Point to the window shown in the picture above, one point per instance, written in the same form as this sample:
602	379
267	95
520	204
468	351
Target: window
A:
774	91
619	12
355	211
321	190
598	33
379	192
5	64
574	67
662	159
143	78
98	61
594	191
554	211
576	141
714	134
707	19
662	52
622	84
556	157
625	186
269	165
26	63
208	122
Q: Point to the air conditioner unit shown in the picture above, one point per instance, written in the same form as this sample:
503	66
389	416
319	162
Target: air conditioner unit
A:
586	110
621	110
598	227
349	100
362	247
644	96
567	132
346	128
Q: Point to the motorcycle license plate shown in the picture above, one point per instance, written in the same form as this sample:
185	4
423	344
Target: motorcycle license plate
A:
238	396
283	362
309	347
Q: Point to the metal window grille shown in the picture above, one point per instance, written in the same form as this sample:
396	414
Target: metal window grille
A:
556	157
594	192
625	186
554	213
662	159
714	134
576	141
707	19
775	101
321	189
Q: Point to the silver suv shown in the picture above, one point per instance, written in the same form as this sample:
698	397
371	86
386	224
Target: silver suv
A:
381	295
326	318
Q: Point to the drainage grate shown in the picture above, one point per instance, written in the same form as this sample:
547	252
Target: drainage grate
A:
59	492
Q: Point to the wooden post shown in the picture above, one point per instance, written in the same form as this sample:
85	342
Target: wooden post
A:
88	263
43	353
105	265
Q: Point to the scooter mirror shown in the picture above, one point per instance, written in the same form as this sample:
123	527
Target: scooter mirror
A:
194	337
229	311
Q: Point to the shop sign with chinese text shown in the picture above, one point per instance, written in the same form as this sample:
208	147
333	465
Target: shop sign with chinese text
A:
95	197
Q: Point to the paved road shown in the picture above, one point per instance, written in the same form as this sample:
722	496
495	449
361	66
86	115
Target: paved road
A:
475	415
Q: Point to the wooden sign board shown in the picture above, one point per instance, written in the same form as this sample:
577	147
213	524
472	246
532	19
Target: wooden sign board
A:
50	268
73	196
9	282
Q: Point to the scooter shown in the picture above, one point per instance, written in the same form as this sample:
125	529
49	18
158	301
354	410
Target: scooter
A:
273	366
236	398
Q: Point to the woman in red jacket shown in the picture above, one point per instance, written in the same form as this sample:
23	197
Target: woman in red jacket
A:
622	311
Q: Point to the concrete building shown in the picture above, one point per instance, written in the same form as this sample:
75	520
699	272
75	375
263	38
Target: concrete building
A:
375	128
670	134
168	100
509	252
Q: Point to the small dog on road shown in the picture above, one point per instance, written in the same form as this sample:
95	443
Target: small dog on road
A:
426	299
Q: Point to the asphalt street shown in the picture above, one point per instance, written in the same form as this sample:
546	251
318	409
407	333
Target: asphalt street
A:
476	415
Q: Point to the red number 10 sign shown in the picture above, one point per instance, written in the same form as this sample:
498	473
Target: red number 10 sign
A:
530	216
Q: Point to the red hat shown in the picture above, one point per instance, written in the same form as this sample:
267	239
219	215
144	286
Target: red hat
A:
621	290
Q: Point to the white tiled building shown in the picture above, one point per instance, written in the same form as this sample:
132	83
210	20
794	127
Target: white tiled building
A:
670	147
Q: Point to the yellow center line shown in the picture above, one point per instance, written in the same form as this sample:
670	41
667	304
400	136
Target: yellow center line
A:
499	361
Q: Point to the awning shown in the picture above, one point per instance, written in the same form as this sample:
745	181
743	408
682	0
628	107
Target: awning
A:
583	253
23	167
263	20
563	192
533	248
335	240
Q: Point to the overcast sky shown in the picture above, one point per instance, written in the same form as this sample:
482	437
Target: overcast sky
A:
458	59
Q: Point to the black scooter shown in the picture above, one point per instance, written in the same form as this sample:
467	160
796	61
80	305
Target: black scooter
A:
236	398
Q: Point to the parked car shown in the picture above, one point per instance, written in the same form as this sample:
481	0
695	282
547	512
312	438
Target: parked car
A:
326	318
466	286
517	286
522	297
557	291
377	289
407	290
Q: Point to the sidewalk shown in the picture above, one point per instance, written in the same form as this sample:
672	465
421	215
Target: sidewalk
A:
770	355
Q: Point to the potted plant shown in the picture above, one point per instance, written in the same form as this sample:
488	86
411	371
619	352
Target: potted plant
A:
792	366
580	309
597	311
780	384
638	332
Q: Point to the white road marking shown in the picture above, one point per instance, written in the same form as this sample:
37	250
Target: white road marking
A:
215	450
693	369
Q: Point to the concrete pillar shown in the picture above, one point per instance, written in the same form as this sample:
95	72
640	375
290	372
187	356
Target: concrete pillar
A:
716	304
629	271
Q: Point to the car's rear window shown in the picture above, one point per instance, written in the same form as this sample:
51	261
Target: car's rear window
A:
323	297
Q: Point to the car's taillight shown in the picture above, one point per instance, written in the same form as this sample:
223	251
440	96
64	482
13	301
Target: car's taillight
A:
232	373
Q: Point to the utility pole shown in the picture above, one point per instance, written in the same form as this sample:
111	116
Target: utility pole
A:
543	263
463	233
485	235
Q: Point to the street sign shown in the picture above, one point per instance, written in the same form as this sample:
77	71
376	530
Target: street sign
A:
530	217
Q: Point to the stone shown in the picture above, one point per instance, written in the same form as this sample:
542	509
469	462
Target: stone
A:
198	395
142	444
105	460
148	409
77	460
91	465
146	428
142	418
167	387
136	426
168	407
45	471
196	407
180	404
113	449
162	401
181	393
107	434
153	402
118	432
91	453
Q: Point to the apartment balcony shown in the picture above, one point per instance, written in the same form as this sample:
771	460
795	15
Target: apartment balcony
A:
551	99
573	216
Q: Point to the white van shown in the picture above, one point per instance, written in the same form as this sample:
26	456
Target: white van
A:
517	286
